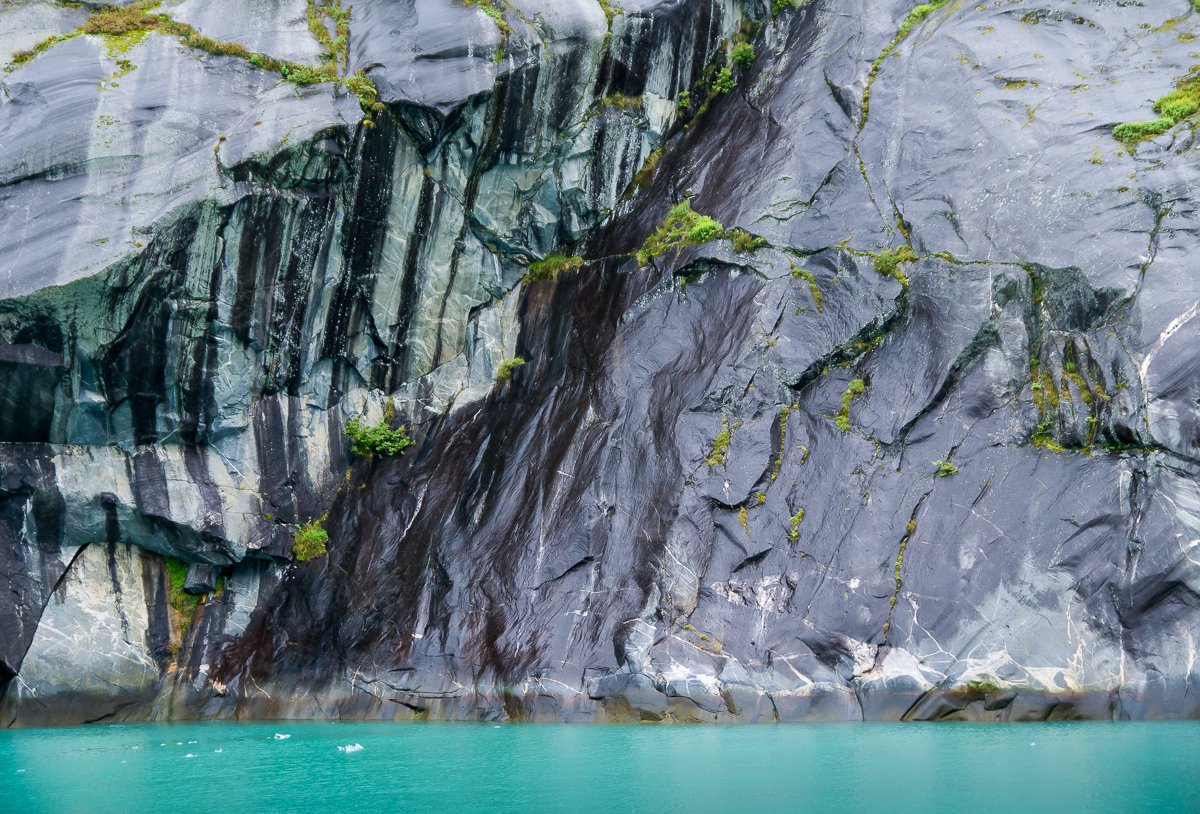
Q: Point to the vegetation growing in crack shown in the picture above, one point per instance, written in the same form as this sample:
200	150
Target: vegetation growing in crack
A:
807	276
551	267
132	23
743	53
720	447
610	10
794	521
784	412
743	242
682	227
620	101
379	439
915	16
180	600
494	9
335	46
856	388
310	541
1179	105
505	371
888	262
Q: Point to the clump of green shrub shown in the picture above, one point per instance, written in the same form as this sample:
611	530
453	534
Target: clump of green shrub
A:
551	267
724	81
685	100
856	388
686	227
780	5
743	53
380	439
505	370
682	227
310	541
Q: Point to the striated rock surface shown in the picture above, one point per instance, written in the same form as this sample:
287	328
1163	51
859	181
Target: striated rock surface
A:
911	432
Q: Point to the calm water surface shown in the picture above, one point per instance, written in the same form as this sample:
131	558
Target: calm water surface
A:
1062	767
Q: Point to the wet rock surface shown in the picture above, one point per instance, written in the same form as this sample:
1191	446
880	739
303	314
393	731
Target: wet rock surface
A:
762	474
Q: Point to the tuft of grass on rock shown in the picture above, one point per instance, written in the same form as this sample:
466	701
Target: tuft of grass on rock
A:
505	370
551	267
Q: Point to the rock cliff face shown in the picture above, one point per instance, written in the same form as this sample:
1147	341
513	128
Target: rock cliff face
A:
909	429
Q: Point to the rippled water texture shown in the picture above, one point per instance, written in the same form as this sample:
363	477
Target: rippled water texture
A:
1061	767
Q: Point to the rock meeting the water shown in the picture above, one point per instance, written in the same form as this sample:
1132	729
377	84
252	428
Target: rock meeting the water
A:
690	360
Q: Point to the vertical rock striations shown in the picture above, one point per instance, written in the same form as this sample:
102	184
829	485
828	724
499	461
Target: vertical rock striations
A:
898	418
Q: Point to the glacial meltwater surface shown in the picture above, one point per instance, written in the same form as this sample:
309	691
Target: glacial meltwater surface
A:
293	766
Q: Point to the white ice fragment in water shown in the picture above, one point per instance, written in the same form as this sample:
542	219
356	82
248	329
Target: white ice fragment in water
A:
351	747
279	737
218	750
191	741
20	771
189	754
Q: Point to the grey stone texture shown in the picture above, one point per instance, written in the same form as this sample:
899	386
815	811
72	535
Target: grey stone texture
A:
205	271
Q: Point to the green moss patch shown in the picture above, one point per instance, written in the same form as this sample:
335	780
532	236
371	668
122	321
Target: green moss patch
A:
856	388
122	28
888	263
720	446
915	16
1181	104
505	370
180	600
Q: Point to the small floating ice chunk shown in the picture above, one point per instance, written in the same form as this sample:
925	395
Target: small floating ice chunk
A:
351	747
279	737
189	754
20	771
191	741
218	750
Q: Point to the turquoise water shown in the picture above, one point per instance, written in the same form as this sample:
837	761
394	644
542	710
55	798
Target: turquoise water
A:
1061	767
